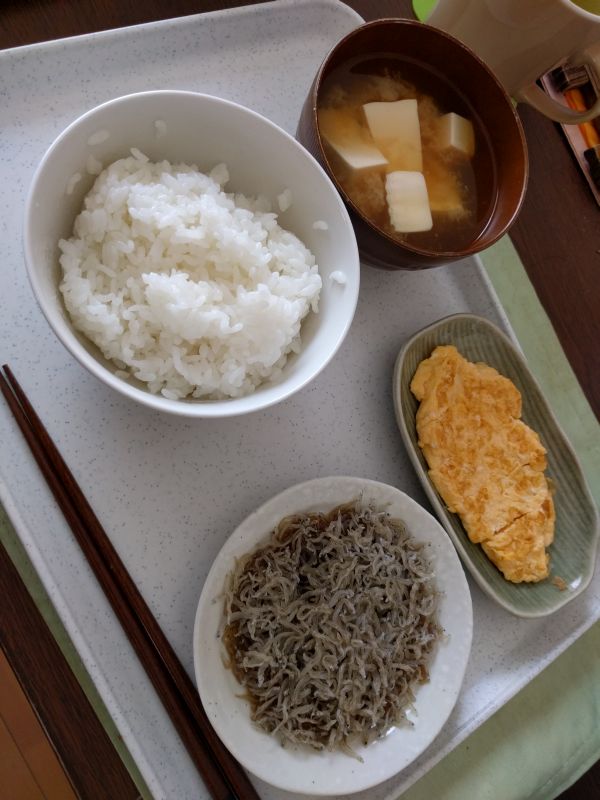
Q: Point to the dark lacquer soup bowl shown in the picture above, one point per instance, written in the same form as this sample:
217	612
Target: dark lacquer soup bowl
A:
443	70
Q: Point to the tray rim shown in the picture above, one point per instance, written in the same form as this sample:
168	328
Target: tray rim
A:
53	588
172	22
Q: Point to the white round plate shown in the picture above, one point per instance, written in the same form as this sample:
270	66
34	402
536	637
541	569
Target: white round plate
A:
299	769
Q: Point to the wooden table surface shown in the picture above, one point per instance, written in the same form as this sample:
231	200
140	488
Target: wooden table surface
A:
557	236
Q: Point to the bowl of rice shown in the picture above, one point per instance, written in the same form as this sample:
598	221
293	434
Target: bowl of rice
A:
190	253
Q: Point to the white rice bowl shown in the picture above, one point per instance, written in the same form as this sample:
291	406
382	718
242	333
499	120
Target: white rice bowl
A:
263	160
193	291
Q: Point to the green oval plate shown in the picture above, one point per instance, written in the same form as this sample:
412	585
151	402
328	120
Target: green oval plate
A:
573	552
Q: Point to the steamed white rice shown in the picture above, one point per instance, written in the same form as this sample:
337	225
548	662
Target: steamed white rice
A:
189	289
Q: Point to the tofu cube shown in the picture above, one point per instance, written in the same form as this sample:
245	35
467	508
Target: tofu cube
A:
396	131
345	135
456	132
408	202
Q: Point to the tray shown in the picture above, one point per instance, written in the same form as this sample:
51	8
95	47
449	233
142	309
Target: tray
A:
170	491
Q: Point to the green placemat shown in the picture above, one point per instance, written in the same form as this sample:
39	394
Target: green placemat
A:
536	745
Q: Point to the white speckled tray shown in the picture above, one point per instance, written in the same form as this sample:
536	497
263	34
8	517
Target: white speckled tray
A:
168	490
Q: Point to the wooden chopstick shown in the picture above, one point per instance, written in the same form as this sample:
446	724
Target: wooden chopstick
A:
223	776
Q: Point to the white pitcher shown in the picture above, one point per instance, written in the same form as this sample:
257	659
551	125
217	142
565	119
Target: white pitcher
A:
520	40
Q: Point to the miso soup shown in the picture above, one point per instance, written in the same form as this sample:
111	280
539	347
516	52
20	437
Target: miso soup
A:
416	169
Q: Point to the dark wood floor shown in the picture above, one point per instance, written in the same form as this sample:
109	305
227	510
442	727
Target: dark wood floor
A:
29	767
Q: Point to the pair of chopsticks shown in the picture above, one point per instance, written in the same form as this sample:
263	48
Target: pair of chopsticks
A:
223	776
